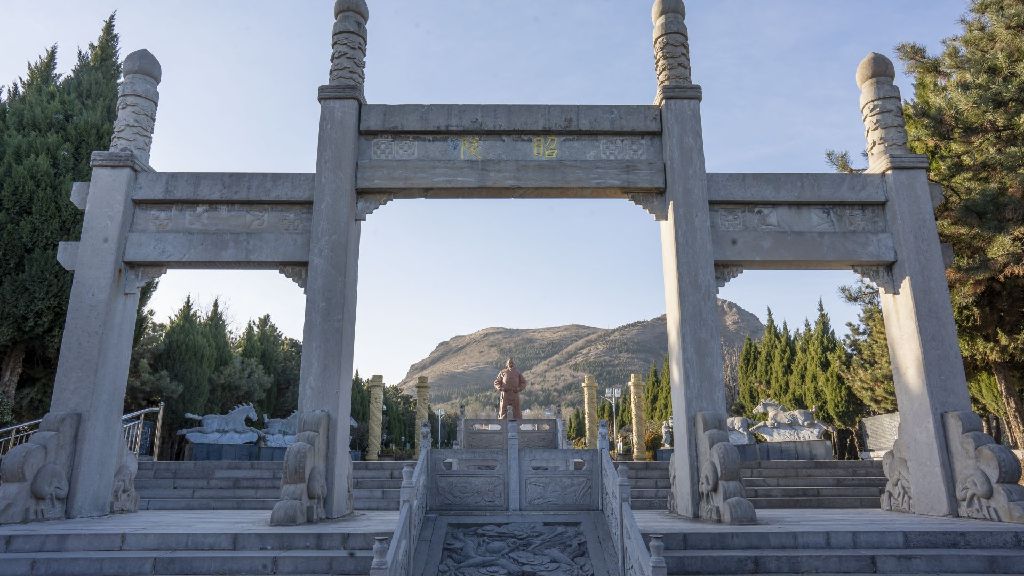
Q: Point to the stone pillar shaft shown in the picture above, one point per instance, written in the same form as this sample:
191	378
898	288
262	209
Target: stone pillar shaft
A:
637	401
376	417
422	408
590	410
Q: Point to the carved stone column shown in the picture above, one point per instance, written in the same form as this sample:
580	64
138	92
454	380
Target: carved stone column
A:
376	417
328	336
926	364
637	401
422	408
590	409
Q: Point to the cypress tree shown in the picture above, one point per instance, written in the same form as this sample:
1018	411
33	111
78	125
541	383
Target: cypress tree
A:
869	373
188	357
750	391
781	368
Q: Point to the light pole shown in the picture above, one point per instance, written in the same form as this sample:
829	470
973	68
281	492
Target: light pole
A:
440	415
612	395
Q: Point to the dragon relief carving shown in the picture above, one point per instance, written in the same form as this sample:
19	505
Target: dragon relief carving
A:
348	58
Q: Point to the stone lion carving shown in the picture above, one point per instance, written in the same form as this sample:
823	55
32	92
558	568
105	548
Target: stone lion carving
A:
783	425
34	475
986	473
227	428
281	432
897	496
304	486
721	493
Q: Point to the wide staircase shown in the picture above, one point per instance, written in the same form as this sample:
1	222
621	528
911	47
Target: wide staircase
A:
223	485
776	484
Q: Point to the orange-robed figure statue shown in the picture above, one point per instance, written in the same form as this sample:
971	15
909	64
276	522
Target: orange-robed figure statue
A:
509	384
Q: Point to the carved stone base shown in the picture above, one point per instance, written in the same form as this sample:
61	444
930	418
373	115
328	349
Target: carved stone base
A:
304	486
721	493
986	473
897	496
124	498
34	475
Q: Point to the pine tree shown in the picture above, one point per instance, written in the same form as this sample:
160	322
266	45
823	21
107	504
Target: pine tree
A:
869	373
48	128
966	116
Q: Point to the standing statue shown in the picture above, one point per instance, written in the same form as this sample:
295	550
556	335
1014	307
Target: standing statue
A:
509	384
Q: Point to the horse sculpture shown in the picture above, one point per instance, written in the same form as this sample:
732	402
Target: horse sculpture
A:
227	428
783	425
777	414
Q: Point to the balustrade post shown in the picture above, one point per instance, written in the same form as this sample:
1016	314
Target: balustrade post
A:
156	432
657	547
625	490
513	466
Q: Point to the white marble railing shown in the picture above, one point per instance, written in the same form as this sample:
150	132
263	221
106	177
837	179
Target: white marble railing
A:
631	552
394	556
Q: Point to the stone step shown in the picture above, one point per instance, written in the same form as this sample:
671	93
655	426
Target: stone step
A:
204	493
817	502
382	473
377	493
819	482
174	472
207	503
211	464
856	561
648	493
644	483
185	483
376	503
995	536
648	503
133	563
382	464
845	464
380	483
135	541
814	492
810	472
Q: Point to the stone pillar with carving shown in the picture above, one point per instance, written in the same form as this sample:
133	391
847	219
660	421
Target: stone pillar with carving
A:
422	408
78	451
590	409
331	277
637	402
376	417
927	367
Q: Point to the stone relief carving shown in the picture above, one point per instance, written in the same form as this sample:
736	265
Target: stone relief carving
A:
281	432
671	43
721	492
783	425
137	98
298	274
231	218
515	548
881	109
560	491
304	486
227	428
124	498
623	149
792	218
470	492
897	496
739	431
880	276
986	473
348	59
34	475
724	273
387	148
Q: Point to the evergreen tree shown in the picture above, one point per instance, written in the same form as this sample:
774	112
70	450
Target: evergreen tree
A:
263	342
188	358
869	373
966	116
147	385
750	390
48	128
781	368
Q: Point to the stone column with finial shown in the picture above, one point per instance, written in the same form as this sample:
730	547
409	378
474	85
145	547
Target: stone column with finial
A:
637	402
376	417
927	367
422	409
590	409
329	332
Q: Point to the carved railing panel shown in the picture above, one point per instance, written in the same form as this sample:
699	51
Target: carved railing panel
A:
538	434
611	502
485	434
552	479
468	480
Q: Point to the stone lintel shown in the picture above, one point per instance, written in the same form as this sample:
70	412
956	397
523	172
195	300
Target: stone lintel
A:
824	188
219	250
224	187
756	250
509	119
110	159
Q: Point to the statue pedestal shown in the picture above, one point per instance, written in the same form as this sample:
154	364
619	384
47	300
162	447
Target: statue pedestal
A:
793	450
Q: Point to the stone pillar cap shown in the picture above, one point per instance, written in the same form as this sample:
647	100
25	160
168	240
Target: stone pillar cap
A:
357	6
666	7
142	62
421	381
873	66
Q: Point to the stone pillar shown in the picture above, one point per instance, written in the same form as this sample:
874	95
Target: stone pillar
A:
590	409
637	401
695	355
327	346
422	408
376	387
97	342
926	364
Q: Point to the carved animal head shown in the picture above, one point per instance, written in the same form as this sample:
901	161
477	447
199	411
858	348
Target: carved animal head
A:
247	411
767	406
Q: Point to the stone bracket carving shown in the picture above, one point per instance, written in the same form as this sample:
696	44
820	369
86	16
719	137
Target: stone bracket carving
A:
298	274
34	476
366	204
726	272
653	202
897	496
880	276
721	492
135	277
986	473
304	485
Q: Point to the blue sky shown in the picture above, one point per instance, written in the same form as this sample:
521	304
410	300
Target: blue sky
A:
239	94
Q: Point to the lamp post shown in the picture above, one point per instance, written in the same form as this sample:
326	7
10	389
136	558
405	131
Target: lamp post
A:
612	395
440	415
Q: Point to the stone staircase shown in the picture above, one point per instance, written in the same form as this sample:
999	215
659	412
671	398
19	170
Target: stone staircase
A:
225	485
777	484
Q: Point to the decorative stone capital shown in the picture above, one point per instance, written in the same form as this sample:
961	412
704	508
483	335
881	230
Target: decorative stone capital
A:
882	110
348	59
726	272
671	49
137	99
297	273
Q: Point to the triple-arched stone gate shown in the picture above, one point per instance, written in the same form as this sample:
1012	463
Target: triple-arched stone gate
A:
140	222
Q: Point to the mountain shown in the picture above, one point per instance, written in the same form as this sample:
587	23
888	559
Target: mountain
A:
555	360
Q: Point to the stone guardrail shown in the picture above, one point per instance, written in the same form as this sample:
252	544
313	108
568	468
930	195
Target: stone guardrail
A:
132	425
394	556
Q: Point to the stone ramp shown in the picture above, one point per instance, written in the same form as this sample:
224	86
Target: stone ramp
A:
235	485
777	484
795	541
191	543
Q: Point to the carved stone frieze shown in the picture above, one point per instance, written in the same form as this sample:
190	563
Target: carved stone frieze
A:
485	492
987	474
880	276
516	548
802	218
230	218
653	202
721	493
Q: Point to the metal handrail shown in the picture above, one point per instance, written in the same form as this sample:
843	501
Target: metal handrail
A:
131	424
